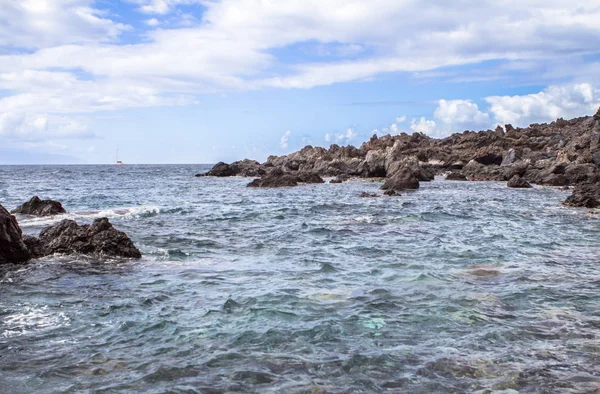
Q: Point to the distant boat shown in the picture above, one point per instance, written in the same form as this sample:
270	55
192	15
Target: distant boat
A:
119	162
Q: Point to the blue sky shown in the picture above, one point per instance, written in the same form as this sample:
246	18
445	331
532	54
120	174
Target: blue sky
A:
198	81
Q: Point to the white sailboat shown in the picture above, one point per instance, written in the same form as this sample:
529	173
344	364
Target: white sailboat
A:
119	162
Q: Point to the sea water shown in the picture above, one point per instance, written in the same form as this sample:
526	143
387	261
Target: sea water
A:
457	287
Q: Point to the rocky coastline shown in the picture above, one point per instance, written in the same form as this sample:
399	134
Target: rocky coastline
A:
562	153
99	239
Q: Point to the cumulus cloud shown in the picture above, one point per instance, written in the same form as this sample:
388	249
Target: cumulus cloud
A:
152	22
283	142
566	101
73	60
461	114
424	126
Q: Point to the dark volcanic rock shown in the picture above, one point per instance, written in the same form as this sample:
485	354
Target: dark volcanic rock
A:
456	176
518	182
98	239
368	195
336	180
38	207
221	169
12	247
275	178
247	168
402	180
391	193
587	196
309	177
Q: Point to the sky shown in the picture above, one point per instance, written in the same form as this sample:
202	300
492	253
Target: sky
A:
200	81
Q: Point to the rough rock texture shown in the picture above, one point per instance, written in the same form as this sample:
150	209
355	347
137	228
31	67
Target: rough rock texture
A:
564	152
368	195
38	207
402	180
279	178
456	176
518	182
586	195
12	247
391	193
221	169
99	239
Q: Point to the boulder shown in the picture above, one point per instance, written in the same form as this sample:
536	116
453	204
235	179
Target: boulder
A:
275	178
456	176
391	193
247	168
99	239
586	195
221	170
309	177
12	247
518	182
401	180
336	180
596	158
38	207
368	195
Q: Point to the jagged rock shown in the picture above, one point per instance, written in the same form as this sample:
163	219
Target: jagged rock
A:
309	177
12	248
275	178
221	170
596	158
38	207
368	195
247	168
518	182
336	180
586	195
375	161
402	180
455	176
99	239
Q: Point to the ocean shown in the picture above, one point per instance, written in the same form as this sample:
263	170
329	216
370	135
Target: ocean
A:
457	287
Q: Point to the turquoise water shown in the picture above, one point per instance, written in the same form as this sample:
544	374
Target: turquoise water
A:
458	287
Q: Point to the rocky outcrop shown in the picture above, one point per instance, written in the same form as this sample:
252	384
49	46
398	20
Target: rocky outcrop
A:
563	152
402	180
368	195
518	182
586	196
221	170
279	178
12	248
99	239
38	207
455	176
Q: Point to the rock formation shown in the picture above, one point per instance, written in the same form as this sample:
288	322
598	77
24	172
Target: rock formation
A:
560	153
99	239
12	247
276	177
38	207
518	182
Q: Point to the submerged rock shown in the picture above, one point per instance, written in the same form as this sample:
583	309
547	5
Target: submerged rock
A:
38	207
518	182
368	195
391	193
99	239
12	247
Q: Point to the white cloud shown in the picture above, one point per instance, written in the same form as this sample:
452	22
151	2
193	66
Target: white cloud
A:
328	137
401	119
74	62
566	101
46	23
152	22
283	143
424	126
461	114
